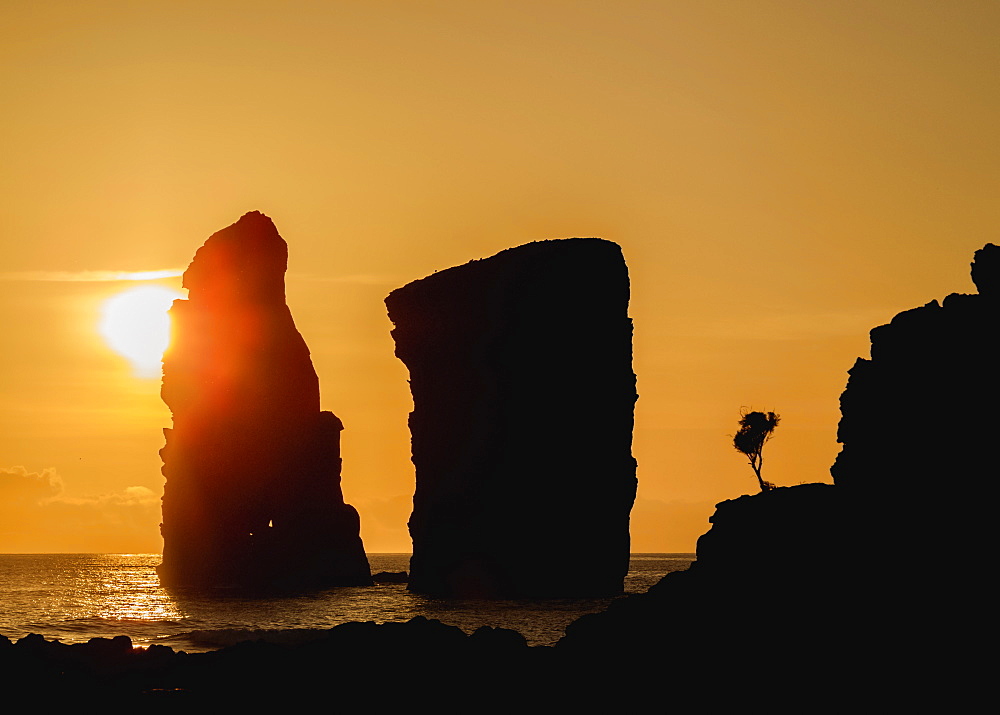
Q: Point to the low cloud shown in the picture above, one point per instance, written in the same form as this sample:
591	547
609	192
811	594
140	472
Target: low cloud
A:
782	326
90	276
383	523
354	279
659	526
20	488
36	515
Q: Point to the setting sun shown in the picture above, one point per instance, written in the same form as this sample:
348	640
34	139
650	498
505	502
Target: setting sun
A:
135	324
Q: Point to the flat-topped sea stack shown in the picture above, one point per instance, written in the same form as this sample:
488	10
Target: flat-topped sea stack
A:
252	497
523	398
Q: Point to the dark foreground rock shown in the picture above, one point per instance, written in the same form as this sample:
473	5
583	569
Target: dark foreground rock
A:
787	609
253	495
523	392
744	630
355	665
871	594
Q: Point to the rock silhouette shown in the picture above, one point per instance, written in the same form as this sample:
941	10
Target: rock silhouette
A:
521	375
426	661
871	589
772	614
924	406
919	425
252	497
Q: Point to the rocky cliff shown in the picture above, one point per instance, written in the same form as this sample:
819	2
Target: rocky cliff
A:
919	425
870	589
523	391
922	410
252	496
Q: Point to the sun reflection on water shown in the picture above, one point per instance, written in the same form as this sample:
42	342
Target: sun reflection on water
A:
127	588
76	597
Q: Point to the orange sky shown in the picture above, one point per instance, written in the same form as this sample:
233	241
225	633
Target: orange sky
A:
782	176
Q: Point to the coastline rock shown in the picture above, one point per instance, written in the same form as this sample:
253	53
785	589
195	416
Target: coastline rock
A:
919	430
923	407
770	614
873	588
778	551
252	497
363	664
521	375
788	538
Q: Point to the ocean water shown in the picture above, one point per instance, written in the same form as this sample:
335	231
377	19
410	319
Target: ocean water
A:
75	597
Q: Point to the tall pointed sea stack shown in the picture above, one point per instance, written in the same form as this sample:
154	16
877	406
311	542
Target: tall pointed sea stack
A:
523	392
252	496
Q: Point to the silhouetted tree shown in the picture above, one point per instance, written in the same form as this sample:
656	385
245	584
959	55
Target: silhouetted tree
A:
755	429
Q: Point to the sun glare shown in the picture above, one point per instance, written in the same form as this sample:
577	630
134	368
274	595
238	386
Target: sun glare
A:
135	324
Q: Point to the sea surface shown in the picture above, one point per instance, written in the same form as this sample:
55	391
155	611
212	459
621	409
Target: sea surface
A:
75	597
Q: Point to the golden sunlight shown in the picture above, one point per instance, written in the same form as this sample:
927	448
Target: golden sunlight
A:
135	324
